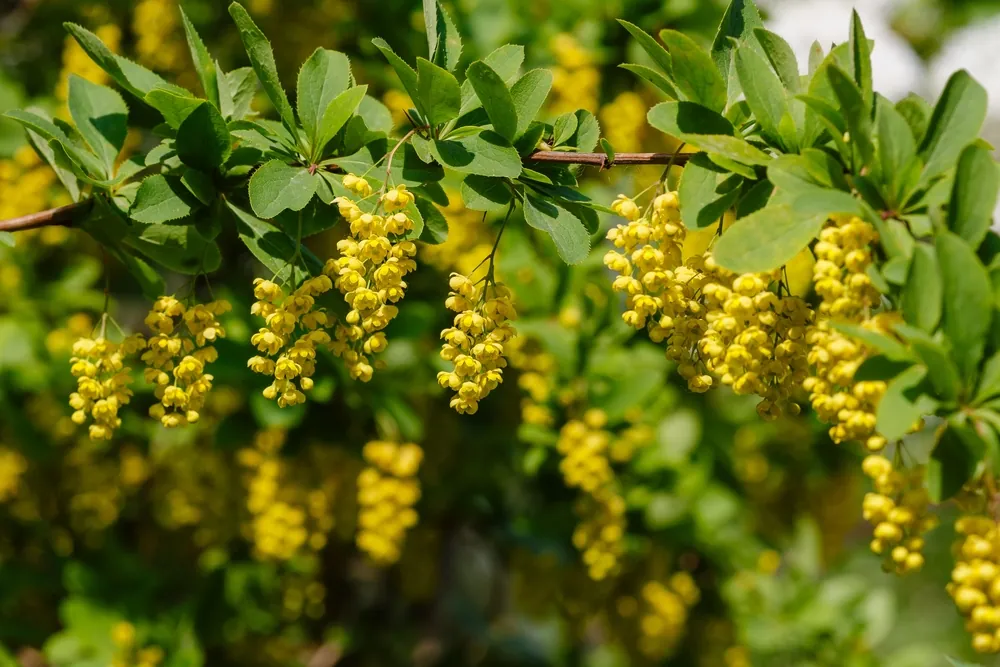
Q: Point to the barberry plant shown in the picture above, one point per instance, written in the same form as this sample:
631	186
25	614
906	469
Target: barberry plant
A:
895	337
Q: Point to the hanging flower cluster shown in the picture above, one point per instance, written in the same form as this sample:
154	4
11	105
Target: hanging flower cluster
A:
475	344
744	331
178	353
288	342
369	273
102	382
388	489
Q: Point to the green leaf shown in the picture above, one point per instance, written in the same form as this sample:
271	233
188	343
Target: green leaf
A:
529	95
272	247
880	368
659	81
564	128
694	73
705	130
435	224
953	462
968	302
903	403
895	148
681	119
917	114
406	75
733	148
202	59
738	25
443	41
974	195
484	154
861	59
134	78
764	93
856	113
162	199
203	140
658	54
337	113
174	107
262	60
101	117
608	149
702	203
7	239
825	202
439	93
588	131
277	186
505	61
766	240
65	172
571	238
989	380
51	132
922	294
495	98
781	57
956	121
941	370
242	84
324	75
481	193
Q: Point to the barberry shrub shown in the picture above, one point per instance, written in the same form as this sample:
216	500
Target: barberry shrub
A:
894	339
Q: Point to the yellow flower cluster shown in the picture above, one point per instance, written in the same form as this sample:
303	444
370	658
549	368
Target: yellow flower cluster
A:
475	344
584	447
623	120
975	580
898	509
76	61
158	42
284	315
536	380
12	466
664	619
601	533
277	527
575	79
101	382
175	361
847	295
717	325
369	273
127	654
388	489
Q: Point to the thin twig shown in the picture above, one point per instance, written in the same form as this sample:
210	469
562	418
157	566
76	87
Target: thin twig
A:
601	160
63	216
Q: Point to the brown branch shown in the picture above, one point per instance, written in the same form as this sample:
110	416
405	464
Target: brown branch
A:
601	160
65	215
62	216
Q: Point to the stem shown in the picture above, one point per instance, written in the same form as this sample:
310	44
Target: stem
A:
391	154
53	217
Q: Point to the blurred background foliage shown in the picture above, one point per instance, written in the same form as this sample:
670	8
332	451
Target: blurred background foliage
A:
744	544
